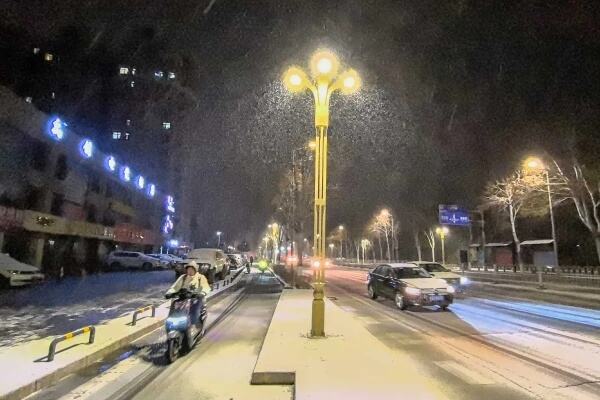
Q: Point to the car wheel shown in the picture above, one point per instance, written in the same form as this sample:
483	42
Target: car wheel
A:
115	266
4	282
400	303
210	276
444	307
372	292
147	266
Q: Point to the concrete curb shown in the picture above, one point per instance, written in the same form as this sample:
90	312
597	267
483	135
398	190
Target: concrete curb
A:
56	375
280	279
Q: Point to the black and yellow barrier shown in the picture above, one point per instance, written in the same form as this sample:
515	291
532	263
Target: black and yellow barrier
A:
141	310
70	335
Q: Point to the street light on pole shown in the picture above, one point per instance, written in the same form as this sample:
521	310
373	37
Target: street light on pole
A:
325	81
535	164
219	233
442	231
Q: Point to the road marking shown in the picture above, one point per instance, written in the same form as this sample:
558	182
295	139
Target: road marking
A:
468	375
348	309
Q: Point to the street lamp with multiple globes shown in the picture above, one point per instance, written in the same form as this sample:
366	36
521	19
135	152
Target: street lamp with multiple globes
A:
535	164
442	231
322	83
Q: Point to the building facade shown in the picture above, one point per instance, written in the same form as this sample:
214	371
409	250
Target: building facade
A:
64	204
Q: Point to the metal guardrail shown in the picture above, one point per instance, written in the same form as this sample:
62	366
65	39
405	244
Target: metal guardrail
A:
70	335
142	310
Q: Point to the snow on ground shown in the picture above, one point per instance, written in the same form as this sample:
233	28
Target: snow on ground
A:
54	308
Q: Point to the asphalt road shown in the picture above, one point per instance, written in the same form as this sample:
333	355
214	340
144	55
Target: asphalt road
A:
485	348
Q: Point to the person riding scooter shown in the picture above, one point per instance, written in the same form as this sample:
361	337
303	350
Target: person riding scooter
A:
193	281
187	314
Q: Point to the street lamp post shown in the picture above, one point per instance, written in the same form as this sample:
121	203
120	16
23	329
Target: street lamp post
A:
219	233
341	229
442	231
325	81
533	164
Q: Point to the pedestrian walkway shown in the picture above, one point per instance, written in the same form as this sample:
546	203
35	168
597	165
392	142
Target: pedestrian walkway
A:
350	363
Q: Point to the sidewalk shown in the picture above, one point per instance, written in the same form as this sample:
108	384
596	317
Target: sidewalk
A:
332	367
25	368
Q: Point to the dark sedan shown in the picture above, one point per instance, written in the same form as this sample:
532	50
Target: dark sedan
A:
409	285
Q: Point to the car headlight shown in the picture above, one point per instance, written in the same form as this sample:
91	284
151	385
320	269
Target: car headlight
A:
450	289
13	272
464	280
412	291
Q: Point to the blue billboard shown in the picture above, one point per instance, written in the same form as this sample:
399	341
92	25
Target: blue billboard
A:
454	215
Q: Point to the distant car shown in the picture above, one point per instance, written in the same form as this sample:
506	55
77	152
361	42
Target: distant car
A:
458	282
212	263
169	260
235	261
132	260
15	273
409	285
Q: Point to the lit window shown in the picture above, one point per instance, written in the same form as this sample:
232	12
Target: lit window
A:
128	122
53	95
126	135
171	75
132	84
123	70
166	125
133	71
48	57
116	135
159	74
36	50
28	99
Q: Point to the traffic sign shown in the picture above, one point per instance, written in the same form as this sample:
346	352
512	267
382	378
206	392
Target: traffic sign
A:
453	215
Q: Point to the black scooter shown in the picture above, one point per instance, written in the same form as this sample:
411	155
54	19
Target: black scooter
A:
182	335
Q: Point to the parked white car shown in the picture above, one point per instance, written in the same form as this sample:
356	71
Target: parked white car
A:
212	263
15	273
132	260
169	260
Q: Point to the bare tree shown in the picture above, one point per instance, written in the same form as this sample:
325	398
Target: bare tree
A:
430	235
512	195
383	224
418	244
583	188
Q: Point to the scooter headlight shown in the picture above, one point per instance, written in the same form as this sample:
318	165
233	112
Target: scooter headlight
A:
175	322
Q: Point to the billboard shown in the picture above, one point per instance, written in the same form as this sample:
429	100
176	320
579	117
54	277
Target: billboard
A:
454	215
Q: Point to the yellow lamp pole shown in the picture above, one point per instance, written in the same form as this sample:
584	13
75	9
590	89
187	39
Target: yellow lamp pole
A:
324	81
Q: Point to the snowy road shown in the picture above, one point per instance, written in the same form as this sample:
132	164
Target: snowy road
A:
57	307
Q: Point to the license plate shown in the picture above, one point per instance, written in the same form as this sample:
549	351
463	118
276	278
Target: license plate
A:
436	298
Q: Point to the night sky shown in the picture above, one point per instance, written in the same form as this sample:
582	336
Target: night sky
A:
455	94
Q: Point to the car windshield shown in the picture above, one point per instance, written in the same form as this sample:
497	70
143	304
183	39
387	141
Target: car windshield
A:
433	267
408	273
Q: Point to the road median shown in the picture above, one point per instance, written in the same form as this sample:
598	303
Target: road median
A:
340	365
